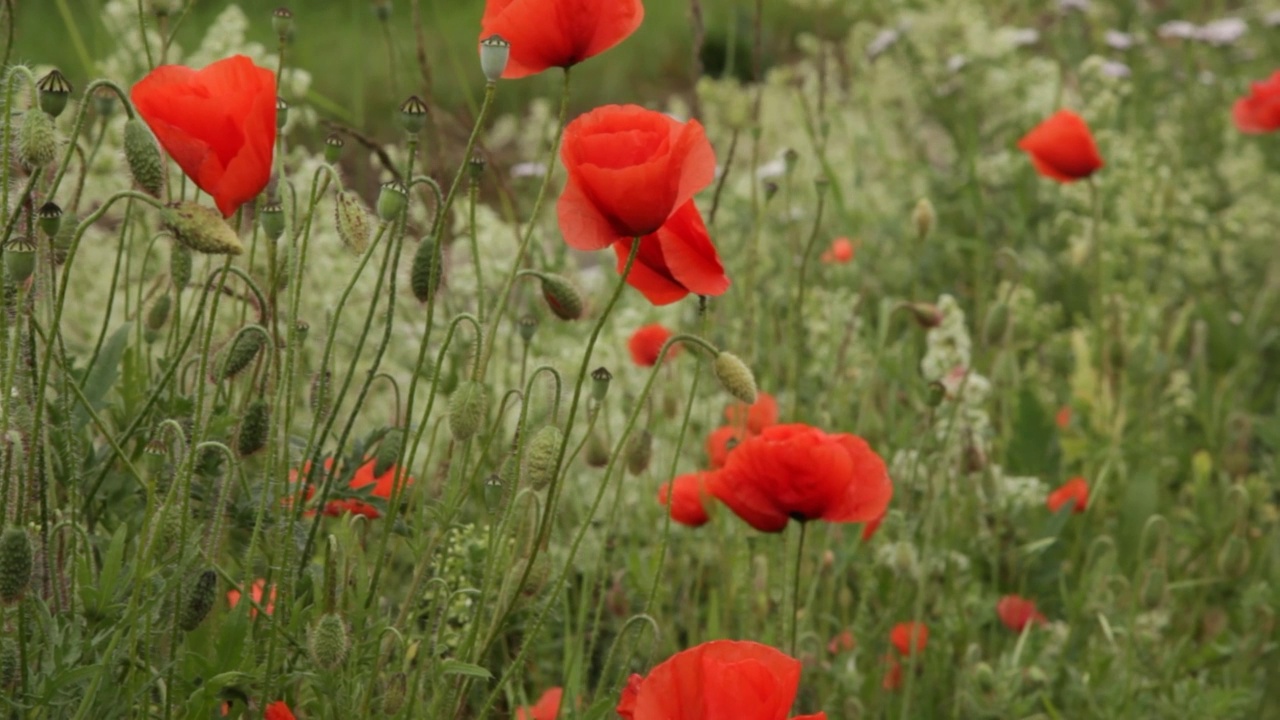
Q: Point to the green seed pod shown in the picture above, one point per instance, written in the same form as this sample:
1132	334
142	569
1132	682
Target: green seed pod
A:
540	456
639	452
271	218
37	139
597	451
413	115
475	168
562	297
16	564
468	406
527	326
333	148
600	378
65	237
354	225
168	527
180	266
201	596
388	452
282	113
50	219
158	314
55	89
20	259
394	693
143	157
321	396
282	22
328	642
494	53
254	428
201	228
240	354
393	198
426	272
735	376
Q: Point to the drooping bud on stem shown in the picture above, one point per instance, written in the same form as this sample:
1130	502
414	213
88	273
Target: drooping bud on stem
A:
562	297
37	140
426	271
254	428
639	452
735	376
240	353
328	642
143	156
467	409
354	226
199	600
201	229
180	266
540	456
388	452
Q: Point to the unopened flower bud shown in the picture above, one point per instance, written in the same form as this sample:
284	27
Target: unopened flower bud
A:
600	378
254	428
158	313
37	140
55	89
49	217
282	113
468	406
328	642
16	564
354	226
143	157
541	455
201	229
597	450
10	664
393	198
104	102
394	693
388	451
426	271
494	53
180	266
526	326
200	598
240	354
926	315
413	115
20	259
562	297
639	452
271	218
282	22
333	148
923	218
735	376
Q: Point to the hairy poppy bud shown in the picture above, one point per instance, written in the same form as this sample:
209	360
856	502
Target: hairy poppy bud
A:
37	141
735	376
494	53
388	452
639	452
282	22
562	297
354	226
527	325
158	314
600	378
143	156
467	409
240	354
392	200
180	266
10	664
271	219
394	693
413	115
333	148
597	451
923	218
282	113
541	455
50	218
200	599
426	271
328	642
20	259
254	428
321	395
16	564
201	228
55	89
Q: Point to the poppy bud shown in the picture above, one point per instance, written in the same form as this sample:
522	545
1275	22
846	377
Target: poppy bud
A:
180	266
328	642
926	315
494	52
388	452
354	226
333	148
50	218
1233	558
468	406
104	102
600	378
394	693
984	678
923	218
562	297
10	664
200	599
20	259
271	219
158	314
201	229
15	564
413	115
735	376
282	113
241	353
254	428
282	22
392	200
54	91
597	451
66	235
541	455
426	271
526	326
639	452
37	141
143	156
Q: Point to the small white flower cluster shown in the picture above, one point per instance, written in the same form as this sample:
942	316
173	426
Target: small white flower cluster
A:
1224	31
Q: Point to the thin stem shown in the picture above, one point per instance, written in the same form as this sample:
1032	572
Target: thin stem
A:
797	319
795	588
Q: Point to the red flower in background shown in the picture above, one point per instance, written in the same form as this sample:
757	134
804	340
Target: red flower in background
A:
757	416
1259	111
1063	417
278	710
800	472
255	592
558	33
383	487
1017	612
909	637
684	497
218	124
677	260
841	252
1062	148
842	642
646	344
718	680
547	707
721	442
1075	489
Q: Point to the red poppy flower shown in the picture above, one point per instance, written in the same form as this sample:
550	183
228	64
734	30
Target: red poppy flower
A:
800	472
383	485
841	252
1075	489
278	710
351	506
718	680
547	707
1017	612
909	637
255	592
757	416
842	642
629	170
893	676
218	124
721	442
1259	111
1062	148
677	260
558	33
1063	418
869	530
646	344
686	500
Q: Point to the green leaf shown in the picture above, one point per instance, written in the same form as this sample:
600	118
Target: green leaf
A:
102	376
455	667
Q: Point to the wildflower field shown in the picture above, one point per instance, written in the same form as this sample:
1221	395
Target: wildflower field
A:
640	359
